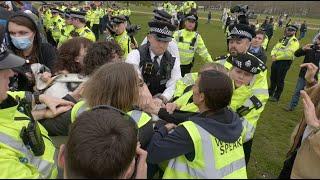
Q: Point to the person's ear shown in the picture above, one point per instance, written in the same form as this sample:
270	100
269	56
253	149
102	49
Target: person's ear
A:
61	156
129	172
201	97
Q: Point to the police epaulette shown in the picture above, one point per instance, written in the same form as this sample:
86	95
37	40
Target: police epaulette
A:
221	57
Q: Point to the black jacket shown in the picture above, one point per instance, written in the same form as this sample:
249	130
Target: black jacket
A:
310	56
224	125
46	54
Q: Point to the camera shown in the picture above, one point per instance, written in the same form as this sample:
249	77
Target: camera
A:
242	10
133	29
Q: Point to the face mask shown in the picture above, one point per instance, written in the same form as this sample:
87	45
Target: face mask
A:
21	43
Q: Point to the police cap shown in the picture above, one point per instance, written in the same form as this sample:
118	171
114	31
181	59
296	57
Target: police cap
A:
162	30
242	31
292	27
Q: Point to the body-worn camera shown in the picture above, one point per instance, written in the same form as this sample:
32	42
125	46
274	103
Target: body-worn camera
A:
31	135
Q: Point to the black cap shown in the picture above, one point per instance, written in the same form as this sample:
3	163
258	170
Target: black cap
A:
191	16
242	31
118	19
7	59
55	10
78	14
162	30
162	15
249	63
293	27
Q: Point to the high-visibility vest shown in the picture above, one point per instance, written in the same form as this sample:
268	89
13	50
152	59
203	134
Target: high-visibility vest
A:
213	158
140	117
86	33
184	82
124	42
17	160
189	43
284	49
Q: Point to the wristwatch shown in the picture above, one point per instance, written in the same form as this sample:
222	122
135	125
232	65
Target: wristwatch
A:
36	97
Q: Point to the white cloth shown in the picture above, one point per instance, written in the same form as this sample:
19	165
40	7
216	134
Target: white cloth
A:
134	58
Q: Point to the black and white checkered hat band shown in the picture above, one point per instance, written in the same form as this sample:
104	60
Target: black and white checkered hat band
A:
237	32
164	31
246	66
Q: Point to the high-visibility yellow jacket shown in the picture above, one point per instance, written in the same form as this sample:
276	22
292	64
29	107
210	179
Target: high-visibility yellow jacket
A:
189	43
17	161
284	49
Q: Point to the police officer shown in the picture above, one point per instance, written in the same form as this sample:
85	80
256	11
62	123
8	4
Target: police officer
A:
96	12
65	32
282	55
239	43
79	22
118	32
190	42
56	24
22	157
160	70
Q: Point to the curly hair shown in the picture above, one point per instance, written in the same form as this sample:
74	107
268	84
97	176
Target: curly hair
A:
100	53
68	52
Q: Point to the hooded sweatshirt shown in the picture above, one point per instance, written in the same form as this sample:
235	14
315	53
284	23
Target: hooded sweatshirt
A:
46	54
224	124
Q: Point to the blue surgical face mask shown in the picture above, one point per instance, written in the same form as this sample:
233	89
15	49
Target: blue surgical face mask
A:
21	43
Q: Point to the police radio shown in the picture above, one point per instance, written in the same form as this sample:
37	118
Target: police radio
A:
31	135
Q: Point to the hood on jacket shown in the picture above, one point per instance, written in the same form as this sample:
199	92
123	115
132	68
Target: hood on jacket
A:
37	38
224	124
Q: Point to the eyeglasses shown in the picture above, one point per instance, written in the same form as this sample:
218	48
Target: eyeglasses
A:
124	115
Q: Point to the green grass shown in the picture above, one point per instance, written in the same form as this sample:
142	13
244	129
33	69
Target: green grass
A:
272	137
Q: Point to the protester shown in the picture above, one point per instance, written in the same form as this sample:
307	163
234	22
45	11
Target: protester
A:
67	69
24	41
103	143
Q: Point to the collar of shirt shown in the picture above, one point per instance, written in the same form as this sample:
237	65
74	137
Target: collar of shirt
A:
254	49
152	55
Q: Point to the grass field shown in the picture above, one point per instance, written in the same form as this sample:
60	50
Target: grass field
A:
272	136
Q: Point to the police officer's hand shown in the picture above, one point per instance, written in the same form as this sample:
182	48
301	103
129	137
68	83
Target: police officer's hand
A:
171	107
312	70
48	113
273	58
307	47
309	111
54	103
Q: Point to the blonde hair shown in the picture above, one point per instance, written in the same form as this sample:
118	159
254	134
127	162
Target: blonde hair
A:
114	84
214	66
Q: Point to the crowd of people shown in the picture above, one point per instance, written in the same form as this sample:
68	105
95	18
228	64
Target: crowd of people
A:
130	110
